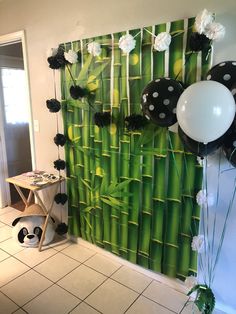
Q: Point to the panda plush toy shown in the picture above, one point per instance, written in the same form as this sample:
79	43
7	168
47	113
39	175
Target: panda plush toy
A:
28	227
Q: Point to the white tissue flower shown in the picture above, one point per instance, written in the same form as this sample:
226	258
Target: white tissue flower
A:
215	31
198	243
203	19
94	49
71	56
190	282
162	41
204	198
127	43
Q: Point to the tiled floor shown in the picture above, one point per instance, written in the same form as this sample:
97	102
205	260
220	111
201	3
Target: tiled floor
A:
70	278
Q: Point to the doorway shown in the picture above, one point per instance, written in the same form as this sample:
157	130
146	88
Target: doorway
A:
16	145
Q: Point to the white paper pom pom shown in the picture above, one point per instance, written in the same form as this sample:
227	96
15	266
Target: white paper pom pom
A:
94	49
71	56
199	243
203	19
162	41
215	31
203	199
127	43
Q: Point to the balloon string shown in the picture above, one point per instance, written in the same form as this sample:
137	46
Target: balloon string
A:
185	63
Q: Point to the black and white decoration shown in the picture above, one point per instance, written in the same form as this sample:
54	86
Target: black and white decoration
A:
159	100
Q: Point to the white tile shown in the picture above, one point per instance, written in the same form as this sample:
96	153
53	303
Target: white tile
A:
132	279
26	287
11	246
82	281
5	210
166	296
3	255
5	233
60	243
102	264
6	305
190	308
84	308
10	269
57	266
78	252
54	300
144	306
111	297
32	256
9	217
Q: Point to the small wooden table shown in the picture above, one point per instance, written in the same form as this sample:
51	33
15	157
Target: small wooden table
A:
23	181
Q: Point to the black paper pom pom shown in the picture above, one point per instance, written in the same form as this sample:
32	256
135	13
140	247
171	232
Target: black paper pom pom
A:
53	63
60	139
53	105
78	92
102	119
199	42
58	60
61	198
135	122
59	164
61	229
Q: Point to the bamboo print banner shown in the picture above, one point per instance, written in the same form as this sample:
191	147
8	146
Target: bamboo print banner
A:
132	193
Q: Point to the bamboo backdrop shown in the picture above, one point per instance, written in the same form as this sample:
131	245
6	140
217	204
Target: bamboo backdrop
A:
132	193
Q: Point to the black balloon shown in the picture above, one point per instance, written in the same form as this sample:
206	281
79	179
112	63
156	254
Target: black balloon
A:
224	73
159	101
229	146
197	148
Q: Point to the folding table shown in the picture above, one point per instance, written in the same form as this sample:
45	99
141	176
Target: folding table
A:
22	181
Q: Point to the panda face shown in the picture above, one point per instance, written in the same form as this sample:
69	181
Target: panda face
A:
27	231
30	239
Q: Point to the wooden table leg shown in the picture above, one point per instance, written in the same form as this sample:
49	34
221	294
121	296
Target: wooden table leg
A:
47	212
26	201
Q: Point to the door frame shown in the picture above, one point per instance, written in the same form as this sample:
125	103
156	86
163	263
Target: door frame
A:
4	186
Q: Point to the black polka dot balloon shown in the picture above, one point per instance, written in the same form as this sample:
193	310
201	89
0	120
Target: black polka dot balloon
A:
159	101
233	91
224	73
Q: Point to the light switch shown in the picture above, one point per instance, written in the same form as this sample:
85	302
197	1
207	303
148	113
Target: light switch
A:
36	125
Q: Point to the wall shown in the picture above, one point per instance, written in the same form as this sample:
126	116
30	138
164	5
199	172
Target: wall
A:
48	23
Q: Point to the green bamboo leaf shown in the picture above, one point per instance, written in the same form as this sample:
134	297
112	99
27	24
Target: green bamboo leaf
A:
97	71
120	194
86	184
107	201
84	71
87	221
88	209
122	185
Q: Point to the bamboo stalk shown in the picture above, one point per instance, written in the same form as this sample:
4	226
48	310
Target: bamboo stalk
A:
159	190
86	156
106	143
124	155
114	136
135	173
98	163
173	210
189	174
147	168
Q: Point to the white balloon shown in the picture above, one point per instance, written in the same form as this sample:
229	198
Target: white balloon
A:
205	111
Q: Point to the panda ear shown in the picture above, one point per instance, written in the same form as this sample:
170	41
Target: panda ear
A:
15	221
